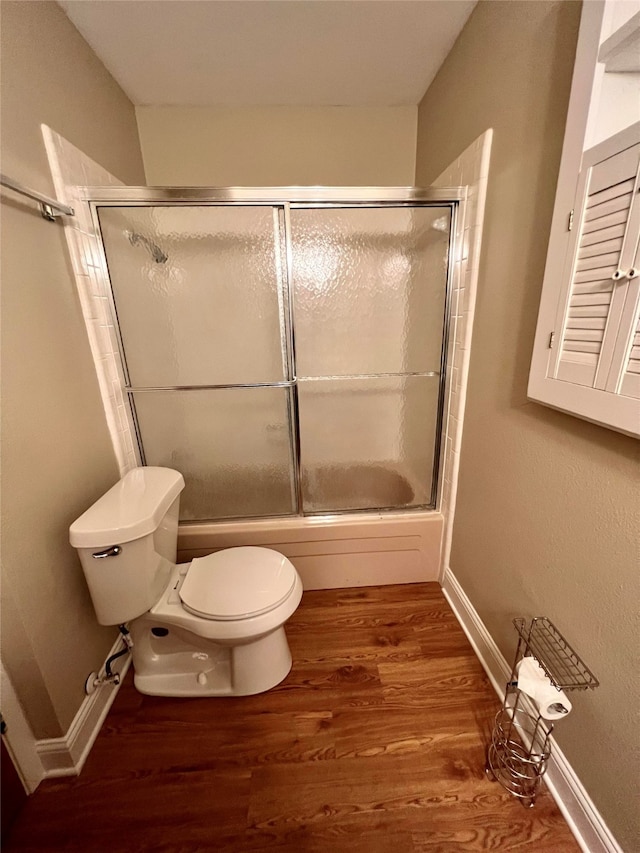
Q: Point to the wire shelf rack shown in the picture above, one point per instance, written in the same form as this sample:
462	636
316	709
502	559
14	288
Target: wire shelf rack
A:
520	746
564	667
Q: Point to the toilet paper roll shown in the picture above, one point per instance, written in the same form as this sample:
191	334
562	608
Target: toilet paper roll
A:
552	704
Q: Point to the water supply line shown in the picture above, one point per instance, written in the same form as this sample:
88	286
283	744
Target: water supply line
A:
94	681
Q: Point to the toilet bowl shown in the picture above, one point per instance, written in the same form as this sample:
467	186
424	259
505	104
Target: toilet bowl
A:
235	644
211	627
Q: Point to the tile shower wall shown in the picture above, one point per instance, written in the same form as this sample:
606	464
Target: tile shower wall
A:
470	169
71	169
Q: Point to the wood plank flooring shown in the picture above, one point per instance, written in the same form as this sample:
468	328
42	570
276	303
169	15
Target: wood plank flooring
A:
375	743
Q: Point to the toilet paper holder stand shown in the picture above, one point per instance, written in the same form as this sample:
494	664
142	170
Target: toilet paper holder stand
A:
520	746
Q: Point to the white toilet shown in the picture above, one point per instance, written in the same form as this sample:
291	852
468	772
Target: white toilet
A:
211	627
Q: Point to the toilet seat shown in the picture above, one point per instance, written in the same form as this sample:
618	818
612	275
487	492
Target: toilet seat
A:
237	583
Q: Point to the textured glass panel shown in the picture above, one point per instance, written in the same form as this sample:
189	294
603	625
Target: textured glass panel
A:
367	443
369	289
231	446
197	293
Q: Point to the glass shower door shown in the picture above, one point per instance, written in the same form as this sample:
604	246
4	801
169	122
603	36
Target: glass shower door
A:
208	298
201	304
369	295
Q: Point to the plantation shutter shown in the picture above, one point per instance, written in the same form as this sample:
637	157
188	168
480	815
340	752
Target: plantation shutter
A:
600	258
630	385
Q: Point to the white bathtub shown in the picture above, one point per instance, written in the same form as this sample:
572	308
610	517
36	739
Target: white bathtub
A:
334	551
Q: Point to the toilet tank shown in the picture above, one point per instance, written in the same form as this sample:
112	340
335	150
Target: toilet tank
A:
127	543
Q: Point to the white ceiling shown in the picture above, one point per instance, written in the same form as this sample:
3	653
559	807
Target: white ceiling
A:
263	52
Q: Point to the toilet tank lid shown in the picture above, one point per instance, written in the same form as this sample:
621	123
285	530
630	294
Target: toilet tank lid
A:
131	509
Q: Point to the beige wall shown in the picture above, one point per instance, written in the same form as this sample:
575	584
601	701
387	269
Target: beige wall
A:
278	146
56	454
547	503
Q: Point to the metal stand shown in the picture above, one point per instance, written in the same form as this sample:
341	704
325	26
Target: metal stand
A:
520	745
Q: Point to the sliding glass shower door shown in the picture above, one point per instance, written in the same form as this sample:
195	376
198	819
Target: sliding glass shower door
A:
369	304
286	358
199	296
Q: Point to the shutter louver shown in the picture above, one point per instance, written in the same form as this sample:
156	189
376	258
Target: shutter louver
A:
630	385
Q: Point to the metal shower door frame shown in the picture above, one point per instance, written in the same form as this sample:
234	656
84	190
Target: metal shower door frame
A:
283	200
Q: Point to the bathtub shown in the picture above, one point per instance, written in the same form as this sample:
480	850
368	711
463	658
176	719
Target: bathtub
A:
334	551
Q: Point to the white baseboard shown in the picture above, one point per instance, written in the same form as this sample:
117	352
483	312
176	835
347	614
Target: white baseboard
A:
66	755
583	818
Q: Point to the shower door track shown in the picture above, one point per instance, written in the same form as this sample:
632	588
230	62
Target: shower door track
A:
325	196
286	199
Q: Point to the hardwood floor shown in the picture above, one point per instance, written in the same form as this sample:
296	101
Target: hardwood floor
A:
374	743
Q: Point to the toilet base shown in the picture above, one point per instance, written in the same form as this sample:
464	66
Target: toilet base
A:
179	663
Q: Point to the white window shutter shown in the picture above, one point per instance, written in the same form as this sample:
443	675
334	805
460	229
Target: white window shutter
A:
599	258
630	384
627	381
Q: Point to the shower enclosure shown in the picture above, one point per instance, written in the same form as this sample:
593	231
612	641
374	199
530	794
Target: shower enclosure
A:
284	349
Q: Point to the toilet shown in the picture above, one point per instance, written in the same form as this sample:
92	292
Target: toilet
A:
211	627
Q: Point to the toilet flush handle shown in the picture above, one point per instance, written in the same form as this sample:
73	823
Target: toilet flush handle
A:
108	552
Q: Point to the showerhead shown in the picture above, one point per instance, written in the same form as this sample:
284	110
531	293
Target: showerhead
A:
154	250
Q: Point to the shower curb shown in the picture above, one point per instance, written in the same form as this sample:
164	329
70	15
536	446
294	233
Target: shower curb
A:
583	818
